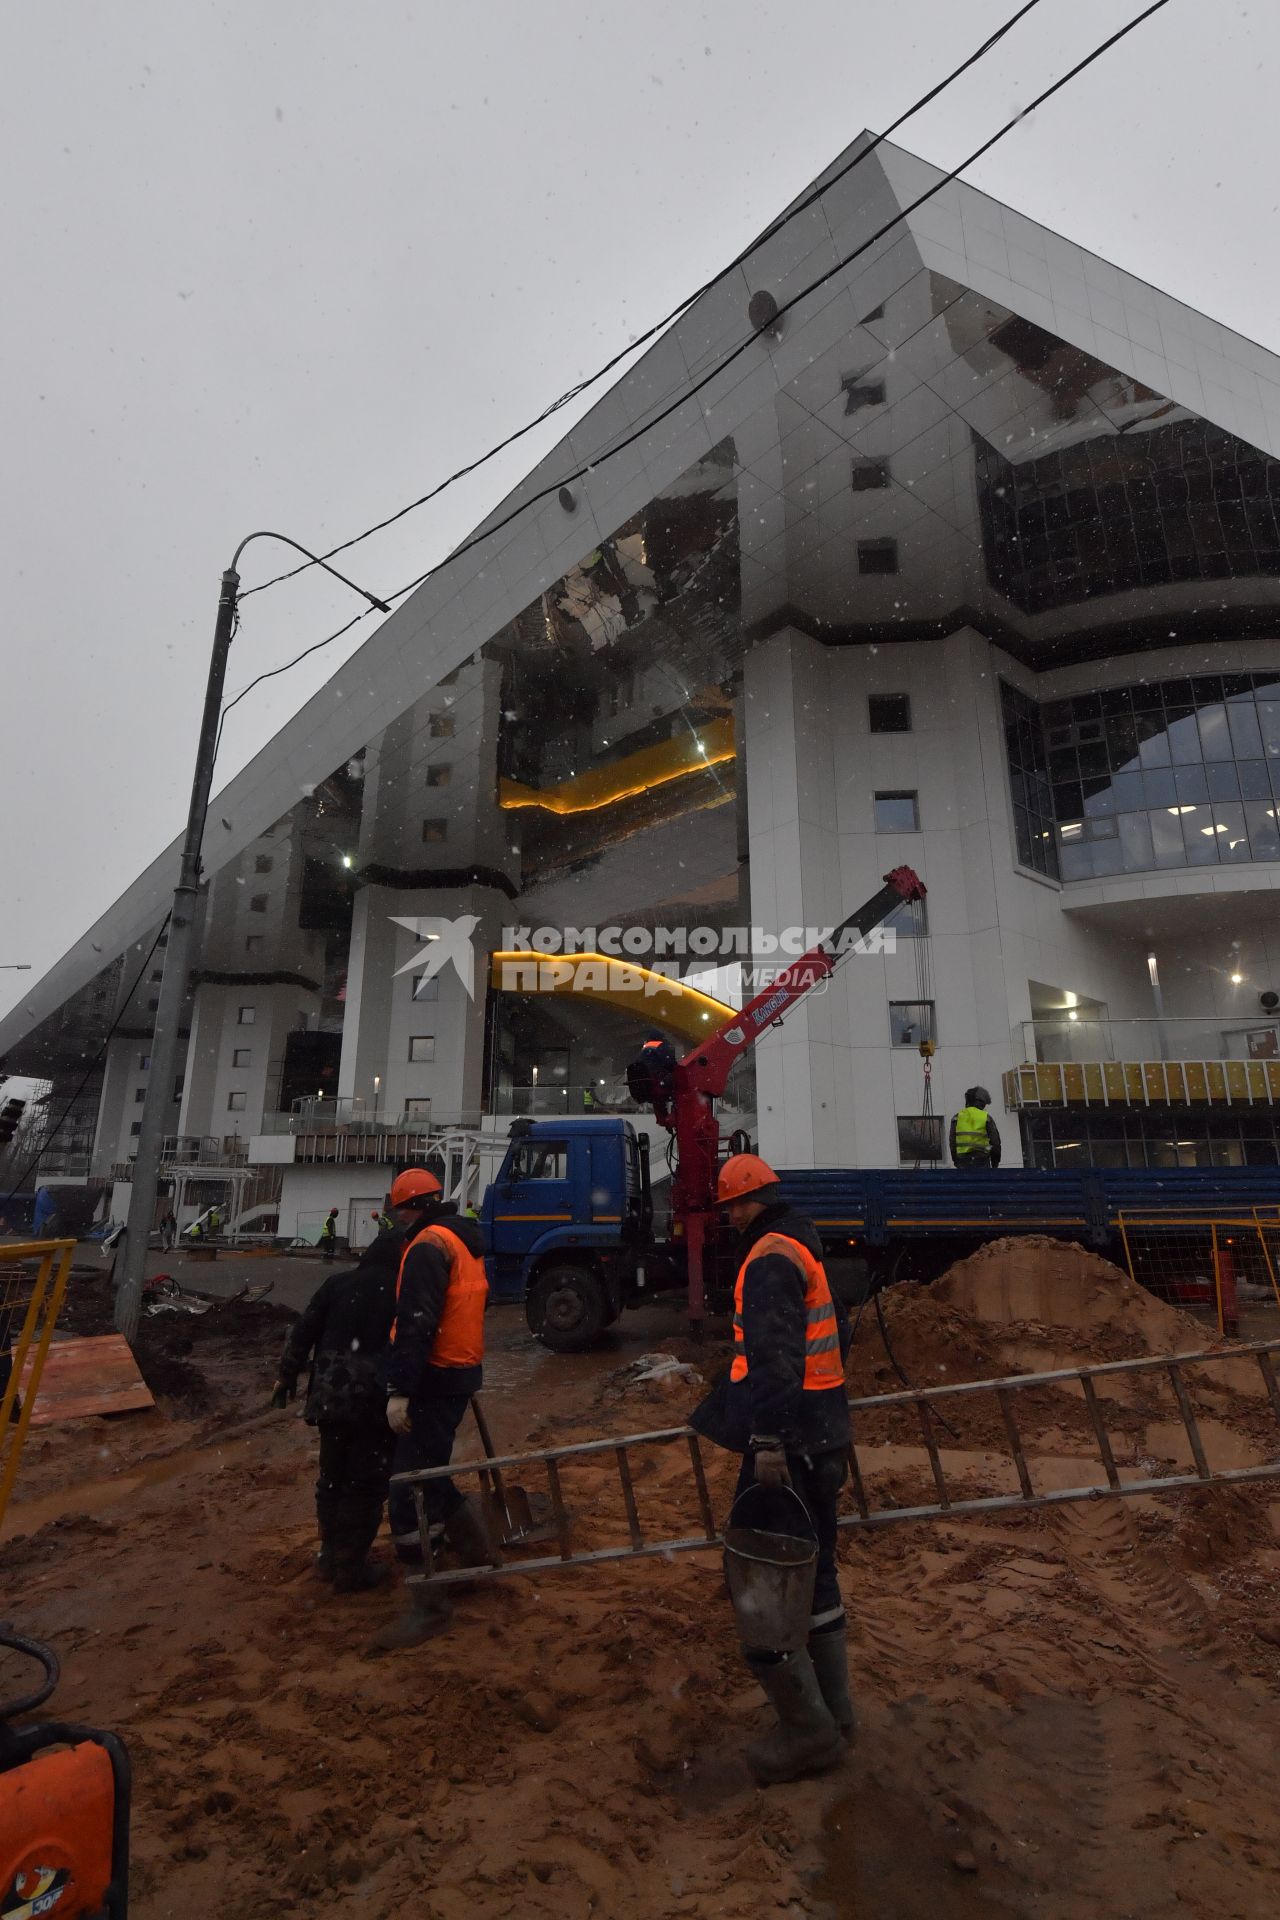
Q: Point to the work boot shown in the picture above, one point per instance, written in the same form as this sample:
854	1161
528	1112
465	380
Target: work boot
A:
356	1524
806	1738
467	1532
359	1576
426	1612
324	1563
830	1657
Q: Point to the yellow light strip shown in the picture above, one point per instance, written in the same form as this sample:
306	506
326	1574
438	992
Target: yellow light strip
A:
639	773
691	1012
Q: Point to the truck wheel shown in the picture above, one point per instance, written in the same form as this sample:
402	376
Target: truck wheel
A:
568	1309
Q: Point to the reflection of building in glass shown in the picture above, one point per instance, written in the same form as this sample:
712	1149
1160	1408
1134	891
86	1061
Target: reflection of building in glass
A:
972	566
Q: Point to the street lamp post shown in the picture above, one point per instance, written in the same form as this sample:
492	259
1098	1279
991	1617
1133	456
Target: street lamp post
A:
178	954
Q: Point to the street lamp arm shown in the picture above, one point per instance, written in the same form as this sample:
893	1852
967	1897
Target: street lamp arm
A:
265	533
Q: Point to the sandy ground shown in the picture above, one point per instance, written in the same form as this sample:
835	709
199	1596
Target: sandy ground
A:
1063	1714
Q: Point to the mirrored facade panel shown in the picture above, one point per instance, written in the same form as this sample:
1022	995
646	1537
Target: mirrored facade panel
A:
1167	773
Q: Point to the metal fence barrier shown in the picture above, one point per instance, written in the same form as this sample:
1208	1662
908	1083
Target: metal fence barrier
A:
1201	1261
33	1285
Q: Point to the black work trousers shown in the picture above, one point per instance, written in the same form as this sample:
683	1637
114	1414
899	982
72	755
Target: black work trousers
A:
429	1443
351	1486
817	1478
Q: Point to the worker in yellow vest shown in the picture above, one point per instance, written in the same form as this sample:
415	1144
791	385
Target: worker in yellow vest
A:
783	1407
975	1138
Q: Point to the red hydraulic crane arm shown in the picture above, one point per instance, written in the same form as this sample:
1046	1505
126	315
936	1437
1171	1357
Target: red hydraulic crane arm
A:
706	1068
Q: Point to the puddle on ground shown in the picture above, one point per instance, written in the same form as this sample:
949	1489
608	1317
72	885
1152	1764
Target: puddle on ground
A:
96	1496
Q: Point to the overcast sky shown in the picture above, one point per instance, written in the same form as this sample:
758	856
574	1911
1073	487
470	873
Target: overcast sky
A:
286	264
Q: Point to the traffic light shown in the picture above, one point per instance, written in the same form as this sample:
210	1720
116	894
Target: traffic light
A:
10	1115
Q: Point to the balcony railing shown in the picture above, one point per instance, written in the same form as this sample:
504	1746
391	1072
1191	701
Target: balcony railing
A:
1060	1039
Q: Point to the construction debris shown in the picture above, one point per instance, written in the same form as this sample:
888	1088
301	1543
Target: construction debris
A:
83	1377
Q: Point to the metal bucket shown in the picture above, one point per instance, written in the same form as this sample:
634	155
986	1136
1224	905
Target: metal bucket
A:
770	1574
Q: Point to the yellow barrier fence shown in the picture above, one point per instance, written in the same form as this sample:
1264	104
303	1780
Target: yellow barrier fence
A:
1214	1264
33	1285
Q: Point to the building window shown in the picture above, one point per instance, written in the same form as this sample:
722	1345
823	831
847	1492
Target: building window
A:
919	1137
422	1046
246	1016
910	1022
889	712
548	1160
897	813
868	475
860	393
144	1062
435	830
424	989
235	1102
139	1094
877	556
242	1057
440	726
253	943
135	1129
153	1006
258	903
417	1109
177	1088
157	976
1029	782
439	776
1180	502
1168	773
263	863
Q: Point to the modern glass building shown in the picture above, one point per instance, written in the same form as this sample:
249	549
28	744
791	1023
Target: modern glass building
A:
970	561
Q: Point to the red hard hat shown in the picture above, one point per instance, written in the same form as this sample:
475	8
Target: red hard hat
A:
415	1183
742	1174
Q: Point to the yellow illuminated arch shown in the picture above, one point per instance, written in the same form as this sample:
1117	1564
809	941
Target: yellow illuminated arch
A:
616	982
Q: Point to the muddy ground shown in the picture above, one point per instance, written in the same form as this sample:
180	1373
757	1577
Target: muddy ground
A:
1066	1713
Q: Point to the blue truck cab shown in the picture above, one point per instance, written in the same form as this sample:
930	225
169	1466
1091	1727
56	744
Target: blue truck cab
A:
568	1225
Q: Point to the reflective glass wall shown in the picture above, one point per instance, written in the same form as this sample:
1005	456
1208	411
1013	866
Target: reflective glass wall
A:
1168	773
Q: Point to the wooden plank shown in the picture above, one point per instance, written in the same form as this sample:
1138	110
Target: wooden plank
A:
88	1375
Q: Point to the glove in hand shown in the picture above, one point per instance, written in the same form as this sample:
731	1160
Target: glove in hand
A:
398	1412
770	1465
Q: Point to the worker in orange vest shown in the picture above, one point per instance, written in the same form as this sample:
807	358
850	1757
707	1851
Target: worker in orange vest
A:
783	1407
434	1365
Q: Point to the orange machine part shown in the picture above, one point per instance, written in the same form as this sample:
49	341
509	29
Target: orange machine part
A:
56	1814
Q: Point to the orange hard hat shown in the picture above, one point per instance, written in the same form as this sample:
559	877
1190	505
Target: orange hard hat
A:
415	1183
743	1174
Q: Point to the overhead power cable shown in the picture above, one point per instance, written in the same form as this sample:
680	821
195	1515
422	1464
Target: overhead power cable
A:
642	339
734	353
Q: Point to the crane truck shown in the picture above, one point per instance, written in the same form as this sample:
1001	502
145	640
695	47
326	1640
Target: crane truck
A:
569	1220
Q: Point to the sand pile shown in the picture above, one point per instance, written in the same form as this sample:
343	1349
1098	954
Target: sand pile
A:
1037	1305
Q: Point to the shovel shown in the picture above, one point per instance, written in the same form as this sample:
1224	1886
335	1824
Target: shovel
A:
510	1501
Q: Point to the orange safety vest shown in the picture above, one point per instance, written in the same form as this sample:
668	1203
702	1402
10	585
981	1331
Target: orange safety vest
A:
459	1338
823	1367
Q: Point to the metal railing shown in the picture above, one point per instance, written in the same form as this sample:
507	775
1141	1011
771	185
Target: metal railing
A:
1057	1037
29	1306
928	1404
